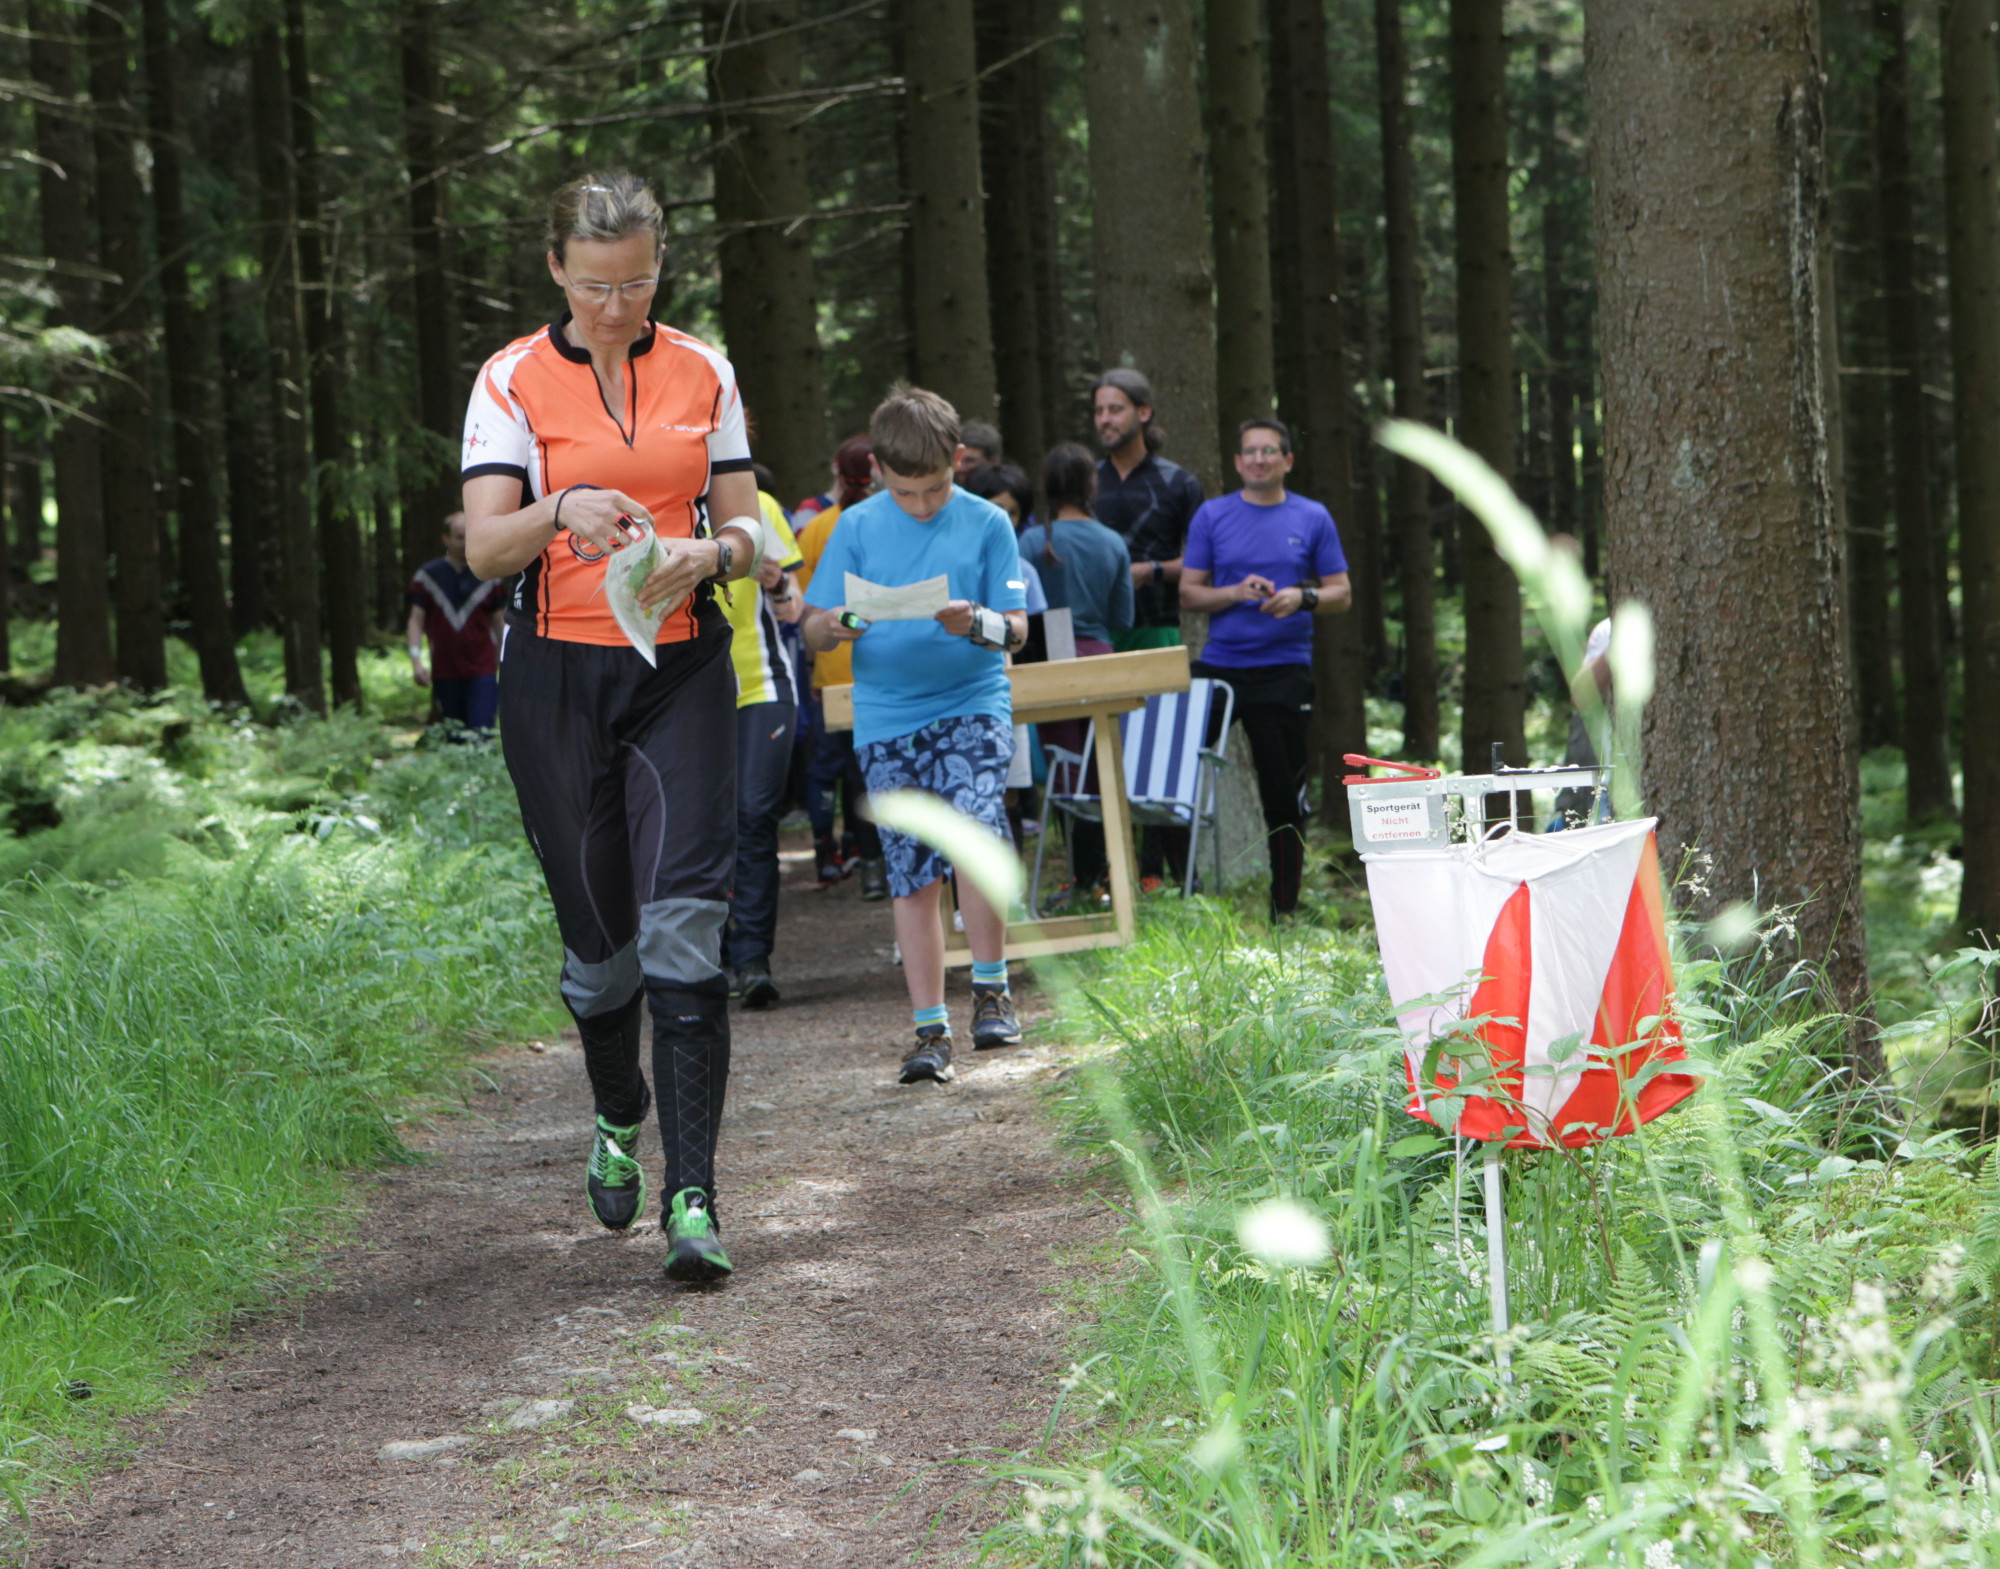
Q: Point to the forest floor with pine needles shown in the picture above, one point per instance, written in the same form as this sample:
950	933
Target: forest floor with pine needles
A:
894	1327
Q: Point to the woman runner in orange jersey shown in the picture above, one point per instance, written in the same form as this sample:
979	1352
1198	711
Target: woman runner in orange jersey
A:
579	438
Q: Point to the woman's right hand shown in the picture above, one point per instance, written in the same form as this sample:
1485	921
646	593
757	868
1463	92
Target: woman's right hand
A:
605	520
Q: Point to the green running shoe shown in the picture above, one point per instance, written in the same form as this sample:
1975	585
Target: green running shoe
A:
615	1182
694	1251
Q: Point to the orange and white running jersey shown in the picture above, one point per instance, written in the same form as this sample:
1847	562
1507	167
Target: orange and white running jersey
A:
538	415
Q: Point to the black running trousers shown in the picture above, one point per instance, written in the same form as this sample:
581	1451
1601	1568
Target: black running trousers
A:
1274	707
626	775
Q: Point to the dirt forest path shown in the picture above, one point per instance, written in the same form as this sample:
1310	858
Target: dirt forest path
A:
891	1327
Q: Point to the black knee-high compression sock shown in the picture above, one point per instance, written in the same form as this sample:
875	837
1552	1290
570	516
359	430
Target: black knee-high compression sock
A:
611	1058
690	1075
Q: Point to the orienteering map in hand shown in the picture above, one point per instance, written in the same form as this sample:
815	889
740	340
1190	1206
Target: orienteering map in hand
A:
625	573
907	602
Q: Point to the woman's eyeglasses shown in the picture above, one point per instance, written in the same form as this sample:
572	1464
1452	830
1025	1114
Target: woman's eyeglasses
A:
599	293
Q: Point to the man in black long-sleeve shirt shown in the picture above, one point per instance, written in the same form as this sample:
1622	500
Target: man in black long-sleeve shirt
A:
1144	499
1148	502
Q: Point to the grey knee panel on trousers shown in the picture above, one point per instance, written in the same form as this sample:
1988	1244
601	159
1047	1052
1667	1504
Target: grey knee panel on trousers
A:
680	940
604	987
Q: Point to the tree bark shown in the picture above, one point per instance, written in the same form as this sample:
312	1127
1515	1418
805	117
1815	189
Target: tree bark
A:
248	425
1589	460
1149	227
1925	682
6	561
1710	221
339	534
1559	380
1020	213
192	492
950	313
441	394
298	605
1972	227
1866	425
131	507
1361	531
1488	418
1245	382
83	596
1304	191
763	199
1410	488
27	501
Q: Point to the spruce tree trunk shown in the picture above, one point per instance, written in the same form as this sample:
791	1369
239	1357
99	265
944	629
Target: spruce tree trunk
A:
1361	532
248	424
131	507
1410	490
1972	226
1710	218
1865	445
1245	383
1013	148
950	314
297	600
62	142
1866	423
26	482
1559	381
1589	460
6	561
770	309
1488	415
1149	223
441	393
1304	189
1925	680
339	536
192	494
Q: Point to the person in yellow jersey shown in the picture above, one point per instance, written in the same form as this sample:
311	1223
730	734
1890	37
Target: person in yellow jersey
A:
834	770
766	715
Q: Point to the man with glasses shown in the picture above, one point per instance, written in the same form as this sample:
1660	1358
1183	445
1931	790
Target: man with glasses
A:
1261	563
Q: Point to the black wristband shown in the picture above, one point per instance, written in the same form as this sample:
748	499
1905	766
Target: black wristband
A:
1309	593
1159	571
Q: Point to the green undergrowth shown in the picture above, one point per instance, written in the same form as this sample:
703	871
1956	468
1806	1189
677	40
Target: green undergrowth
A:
232	959
1734	1342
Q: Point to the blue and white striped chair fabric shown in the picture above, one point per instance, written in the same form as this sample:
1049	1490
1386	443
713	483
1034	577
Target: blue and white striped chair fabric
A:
1170	764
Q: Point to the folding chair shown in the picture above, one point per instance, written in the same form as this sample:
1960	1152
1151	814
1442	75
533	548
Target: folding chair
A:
1170	767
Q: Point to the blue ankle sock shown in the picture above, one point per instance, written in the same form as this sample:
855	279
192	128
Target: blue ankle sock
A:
992	975
935	1015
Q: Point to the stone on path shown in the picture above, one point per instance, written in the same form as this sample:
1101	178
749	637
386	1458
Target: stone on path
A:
665	1416
533	1413
423	1448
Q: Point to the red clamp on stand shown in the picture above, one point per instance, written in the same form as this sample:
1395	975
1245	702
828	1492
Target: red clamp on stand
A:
1396	770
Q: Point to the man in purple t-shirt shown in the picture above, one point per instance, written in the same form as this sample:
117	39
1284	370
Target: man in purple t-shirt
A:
1254	561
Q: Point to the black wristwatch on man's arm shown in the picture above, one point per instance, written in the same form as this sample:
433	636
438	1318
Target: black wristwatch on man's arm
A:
990	629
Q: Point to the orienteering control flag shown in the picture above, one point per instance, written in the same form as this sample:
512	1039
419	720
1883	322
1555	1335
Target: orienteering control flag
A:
1557	943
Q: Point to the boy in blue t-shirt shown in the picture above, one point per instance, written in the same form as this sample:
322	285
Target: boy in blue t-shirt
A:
1262	563
932	707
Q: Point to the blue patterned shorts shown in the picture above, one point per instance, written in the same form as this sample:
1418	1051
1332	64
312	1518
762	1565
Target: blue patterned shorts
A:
962	761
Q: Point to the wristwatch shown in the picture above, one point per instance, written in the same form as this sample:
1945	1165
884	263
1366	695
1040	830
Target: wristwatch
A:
1309	595
1159	571
725	558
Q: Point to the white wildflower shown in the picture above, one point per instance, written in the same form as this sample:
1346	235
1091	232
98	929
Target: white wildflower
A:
1284	1234
1661	1555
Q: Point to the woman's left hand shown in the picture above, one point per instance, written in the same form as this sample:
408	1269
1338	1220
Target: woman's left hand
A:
686	563
1283	603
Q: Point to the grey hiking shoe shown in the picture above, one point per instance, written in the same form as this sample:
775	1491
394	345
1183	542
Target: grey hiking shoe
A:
993	1021
931	1057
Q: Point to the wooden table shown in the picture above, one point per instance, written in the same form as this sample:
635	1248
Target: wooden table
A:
1098	689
